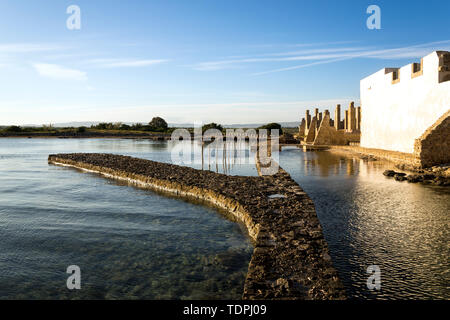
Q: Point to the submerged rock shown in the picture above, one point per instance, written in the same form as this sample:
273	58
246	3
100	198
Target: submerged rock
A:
389	173
432	176
400	176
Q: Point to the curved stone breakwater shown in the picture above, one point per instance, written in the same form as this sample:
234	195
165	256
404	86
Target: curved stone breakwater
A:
290	258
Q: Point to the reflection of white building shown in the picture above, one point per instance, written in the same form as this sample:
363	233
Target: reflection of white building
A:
400	104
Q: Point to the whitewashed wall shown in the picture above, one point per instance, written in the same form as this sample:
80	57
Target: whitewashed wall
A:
393	115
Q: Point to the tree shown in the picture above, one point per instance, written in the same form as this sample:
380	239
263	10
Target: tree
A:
158	124
212	125
271	126
13	129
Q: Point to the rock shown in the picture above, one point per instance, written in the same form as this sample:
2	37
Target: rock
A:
326	257
413	178
399	177
389	173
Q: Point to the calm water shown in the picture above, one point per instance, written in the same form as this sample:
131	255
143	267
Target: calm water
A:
129	243
369	219
133	243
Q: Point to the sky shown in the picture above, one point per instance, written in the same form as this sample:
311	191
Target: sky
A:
205	61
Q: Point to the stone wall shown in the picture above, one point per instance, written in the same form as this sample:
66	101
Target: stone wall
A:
322	130
402	159
328	135
290	258
433	147
398	105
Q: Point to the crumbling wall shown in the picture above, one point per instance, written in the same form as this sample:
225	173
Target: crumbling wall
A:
433	147
302	128
311	134
328	135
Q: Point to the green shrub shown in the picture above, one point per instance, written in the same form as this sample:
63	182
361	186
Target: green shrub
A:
212	125
158	124
13	129
271	126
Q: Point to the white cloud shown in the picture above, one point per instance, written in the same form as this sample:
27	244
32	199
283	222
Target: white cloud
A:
122	63
26	47
59	72
304	55
326	55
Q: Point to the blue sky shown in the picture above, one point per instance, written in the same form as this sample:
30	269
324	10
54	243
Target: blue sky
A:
222	61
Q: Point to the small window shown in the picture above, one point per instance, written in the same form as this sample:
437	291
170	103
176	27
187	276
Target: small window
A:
417	69
395	76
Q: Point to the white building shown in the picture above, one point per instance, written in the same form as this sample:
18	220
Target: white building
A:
400	104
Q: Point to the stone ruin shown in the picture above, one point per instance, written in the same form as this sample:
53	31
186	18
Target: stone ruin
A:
320	129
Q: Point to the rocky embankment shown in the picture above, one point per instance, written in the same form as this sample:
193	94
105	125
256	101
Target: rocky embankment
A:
438	175
290	258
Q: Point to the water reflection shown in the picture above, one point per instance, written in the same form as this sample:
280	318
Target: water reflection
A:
228	157
370	219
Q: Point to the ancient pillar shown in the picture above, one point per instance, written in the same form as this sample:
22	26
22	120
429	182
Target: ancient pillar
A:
301	128
346	121
311	135
337	117
327	113
308	120
352	117
358	118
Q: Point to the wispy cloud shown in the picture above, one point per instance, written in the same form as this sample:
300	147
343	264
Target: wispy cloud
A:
303	55
320	56
125	63
27	47
54	71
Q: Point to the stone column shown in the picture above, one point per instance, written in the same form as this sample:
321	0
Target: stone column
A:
352	117
346	121
337	117
358	118
316	115
308	121
327	113
302	127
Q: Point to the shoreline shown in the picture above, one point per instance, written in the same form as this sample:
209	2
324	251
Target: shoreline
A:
404	162
96	135
290	258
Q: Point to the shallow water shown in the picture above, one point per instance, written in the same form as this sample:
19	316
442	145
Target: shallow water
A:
129	243
132	243
369	219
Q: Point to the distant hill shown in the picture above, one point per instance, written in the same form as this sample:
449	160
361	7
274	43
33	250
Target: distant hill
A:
179	125
294	124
